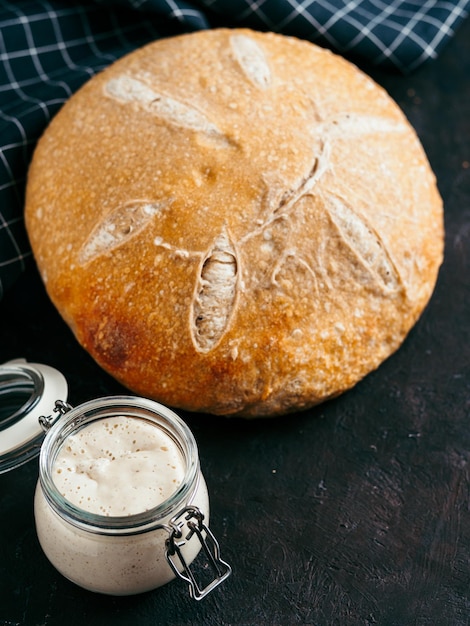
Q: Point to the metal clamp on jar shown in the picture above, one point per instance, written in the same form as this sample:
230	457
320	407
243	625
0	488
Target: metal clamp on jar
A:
121	505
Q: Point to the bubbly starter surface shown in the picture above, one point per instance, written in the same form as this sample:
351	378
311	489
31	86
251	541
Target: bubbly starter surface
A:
118	466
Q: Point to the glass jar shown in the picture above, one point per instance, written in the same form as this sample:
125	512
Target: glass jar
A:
129	553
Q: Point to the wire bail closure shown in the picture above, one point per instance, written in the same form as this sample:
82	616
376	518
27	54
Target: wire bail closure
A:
61	408
209	543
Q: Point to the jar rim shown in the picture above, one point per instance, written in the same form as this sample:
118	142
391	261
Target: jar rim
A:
106	407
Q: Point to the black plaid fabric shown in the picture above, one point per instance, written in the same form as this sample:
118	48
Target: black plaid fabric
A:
48	48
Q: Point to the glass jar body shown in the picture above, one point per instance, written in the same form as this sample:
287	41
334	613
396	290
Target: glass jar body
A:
118	555
108	563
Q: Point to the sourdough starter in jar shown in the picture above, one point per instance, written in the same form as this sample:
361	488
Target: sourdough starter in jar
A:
115	467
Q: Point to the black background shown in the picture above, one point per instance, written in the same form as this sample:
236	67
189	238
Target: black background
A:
356	512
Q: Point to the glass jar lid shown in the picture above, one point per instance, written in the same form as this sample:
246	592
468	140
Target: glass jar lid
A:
27	391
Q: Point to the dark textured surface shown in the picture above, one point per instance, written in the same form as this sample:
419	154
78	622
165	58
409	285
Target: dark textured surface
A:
356	512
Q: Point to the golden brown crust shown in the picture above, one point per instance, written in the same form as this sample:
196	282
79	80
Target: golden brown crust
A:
235	222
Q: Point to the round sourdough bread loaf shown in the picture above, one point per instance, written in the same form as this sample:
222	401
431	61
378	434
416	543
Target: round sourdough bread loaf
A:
235	222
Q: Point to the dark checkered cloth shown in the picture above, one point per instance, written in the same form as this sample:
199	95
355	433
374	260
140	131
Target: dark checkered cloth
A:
48	48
